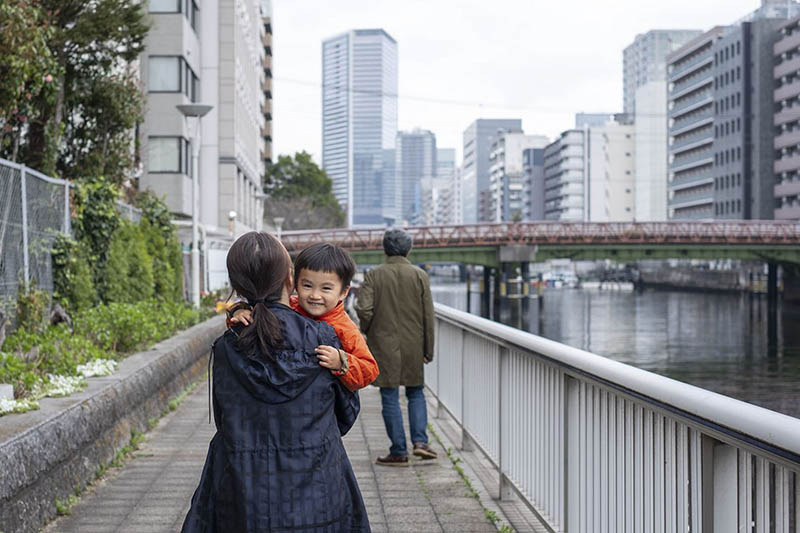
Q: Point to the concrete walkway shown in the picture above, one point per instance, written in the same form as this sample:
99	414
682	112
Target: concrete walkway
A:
151	493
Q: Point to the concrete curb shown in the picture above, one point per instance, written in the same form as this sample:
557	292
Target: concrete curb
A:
47	454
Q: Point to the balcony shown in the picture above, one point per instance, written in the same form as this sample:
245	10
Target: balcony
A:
789	188
787	67
699	100
266	131
691	85
787	213
789	138
689	123
787	43
787	91
680	183
684	199
787	164
790	114
684	163
701	59
693	140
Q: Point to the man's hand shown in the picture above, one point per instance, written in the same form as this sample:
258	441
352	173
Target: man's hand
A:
427	358
242	316
329	357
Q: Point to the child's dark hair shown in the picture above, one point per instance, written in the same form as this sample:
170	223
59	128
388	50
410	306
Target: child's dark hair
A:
324	257
258	267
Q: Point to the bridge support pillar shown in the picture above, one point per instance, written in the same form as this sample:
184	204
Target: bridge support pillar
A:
469	290
486	284
772	285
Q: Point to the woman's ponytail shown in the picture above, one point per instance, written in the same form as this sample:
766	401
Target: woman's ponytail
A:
258	268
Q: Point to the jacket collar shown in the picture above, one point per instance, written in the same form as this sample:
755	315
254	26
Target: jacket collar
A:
395	259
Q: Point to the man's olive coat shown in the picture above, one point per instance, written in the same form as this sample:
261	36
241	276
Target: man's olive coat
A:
396	313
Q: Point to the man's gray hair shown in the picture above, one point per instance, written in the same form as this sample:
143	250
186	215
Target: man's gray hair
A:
396	242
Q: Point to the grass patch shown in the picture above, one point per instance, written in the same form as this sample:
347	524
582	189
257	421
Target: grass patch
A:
64	507
490	515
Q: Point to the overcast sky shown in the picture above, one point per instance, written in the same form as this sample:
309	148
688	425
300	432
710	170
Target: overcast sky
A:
541	61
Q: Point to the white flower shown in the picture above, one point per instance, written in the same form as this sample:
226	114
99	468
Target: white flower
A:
16	406
58	386
98	367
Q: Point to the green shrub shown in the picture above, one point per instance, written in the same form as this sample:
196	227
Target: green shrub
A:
163	247
96	220
129	268
32	307
73	286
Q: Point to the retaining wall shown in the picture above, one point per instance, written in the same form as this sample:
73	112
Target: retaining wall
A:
46	454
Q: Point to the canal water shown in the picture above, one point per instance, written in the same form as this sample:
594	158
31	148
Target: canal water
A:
717	341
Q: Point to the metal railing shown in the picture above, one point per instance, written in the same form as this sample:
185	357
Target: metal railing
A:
593	445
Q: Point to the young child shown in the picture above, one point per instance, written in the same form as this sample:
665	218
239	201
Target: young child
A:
322	276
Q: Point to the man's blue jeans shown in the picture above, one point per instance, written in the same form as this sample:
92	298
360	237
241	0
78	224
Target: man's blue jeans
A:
393	417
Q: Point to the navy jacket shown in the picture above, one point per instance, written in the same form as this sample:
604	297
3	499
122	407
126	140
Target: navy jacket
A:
277	462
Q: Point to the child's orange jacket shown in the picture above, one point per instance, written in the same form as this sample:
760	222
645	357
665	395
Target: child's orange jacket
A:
363	369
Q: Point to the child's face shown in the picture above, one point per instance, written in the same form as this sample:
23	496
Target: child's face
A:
319	292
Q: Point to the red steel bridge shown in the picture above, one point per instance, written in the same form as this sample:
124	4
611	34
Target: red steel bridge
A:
493	244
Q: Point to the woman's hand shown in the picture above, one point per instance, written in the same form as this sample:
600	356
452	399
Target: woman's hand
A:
242	316
329	357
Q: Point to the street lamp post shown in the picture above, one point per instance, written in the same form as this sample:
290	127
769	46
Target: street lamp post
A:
197	111
278	223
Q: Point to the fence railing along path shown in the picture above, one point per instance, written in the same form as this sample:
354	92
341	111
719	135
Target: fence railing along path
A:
593	445
34	208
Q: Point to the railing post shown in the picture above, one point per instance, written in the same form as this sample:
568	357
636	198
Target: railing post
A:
504	489
66	209
572	454
466	441
25	251
720	493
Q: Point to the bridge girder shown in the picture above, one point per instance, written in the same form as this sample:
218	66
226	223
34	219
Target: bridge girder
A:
624	253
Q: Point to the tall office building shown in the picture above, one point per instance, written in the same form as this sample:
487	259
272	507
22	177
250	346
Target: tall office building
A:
359	124
447	197
213	56
644	60
508	190
691	131
415	167
744	113
787	121
266	131
475	167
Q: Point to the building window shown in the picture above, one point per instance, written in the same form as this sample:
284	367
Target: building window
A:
191	11
172	74
164	74
165	6
168	154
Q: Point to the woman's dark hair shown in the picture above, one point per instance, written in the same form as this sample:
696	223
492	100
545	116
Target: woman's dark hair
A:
324	257
258	266
396	242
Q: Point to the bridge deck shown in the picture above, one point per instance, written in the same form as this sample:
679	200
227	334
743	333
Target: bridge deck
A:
151	492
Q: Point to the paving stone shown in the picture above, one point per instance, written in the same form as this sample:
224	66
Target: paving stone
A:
151	493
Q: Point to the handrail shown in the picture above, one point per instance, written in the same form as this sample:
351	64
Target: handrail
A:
592	444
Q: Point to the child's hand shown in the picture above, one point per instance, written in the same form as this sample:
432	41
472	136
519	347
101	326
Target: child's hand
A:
329	357
242	316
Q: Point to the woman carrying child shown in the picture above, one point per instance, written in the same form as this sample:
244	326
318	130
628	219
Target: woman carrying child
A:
277	462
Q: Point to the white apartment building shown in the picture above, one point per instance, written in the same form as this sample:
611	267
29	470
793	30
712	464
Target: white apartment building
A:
212	53
508	190
651	152
590	174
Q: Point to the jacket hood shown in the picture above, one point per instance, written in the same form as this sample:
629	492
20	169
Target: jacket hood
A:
286	373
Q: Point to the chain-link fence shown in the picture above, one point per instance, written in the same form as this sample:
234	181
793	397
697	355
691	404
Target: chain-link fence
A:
34	208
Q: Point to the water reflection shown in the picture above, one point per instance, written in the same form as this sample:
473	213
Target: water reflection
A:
721	342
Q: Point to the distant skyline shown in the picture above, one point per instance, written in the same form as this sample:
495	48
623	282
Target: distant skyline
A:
459	61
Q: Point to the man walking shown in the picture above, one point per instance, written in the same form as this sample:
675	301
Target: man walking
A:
396	313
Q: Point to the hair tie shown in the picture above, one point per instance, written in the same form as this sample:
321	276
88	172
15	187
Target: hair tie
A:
254	301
